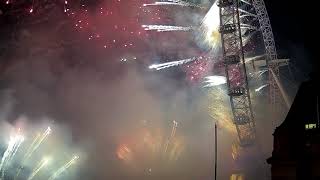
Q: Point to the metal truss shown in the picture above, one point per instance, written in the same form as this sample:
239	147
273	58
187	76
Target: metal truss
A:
233	57
271	53
261	13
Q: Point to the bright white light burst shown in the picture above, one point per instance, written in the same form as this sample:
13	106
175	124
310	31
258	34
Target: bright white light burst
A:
212	81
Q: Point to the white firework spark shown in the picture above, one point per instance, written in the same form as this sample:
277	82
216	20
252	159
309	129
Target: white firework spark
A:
260	73
165	28
212	81
171	64
13	146
64	168
261	87
37	142
40	165
173	3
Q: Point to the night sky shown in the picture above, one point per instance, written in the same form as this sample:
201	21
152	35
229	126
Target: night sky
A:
295	33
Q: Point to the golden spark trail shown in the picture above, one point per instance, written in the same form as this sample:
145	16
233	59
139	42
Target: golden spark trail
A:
173	132
64	168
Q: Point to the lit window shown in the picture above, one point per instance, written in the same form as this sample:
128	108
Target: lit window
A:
310	126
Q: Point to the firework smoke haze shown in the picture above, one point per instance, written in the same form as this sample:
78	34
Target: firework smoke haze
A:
83	70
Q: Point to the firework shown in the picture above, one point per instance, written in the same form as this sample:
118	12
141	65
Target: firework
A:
214	81
198	69
65	167
173	3
13	146
171	64
39	166
219	109
261	87
235	151
210	27
165	28
173	132
152	149
38	140
260	73
36	143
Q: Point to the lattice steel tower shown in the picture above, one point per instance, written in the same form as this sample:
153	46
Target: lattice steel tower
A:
270	51
233	56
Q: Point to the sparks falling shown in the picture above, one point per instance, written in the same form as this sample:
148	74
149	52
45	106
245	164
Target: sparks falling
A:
165	28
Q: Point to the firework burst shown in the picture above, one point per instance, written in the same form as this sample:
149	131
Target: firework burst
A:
151	150
26	159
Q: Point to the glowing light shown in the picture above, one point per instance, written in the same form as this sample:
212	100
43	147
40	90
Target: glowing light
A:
219	110
174	3
235	151
261	87
210	27
63	168
237	177
165	28
171	64
215	81
39	166
12	148
36	143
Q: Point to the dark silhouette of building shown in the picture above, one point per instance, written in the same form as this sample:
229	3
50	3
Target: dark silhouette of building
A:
296	149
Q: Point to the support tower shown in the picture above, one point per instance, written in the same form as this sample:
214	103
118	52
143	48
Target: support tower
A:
272	61
233	56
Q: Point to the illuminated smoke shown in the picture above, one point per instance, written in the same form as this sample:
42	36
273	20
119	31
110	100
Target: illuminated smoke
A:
219	109
151	149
